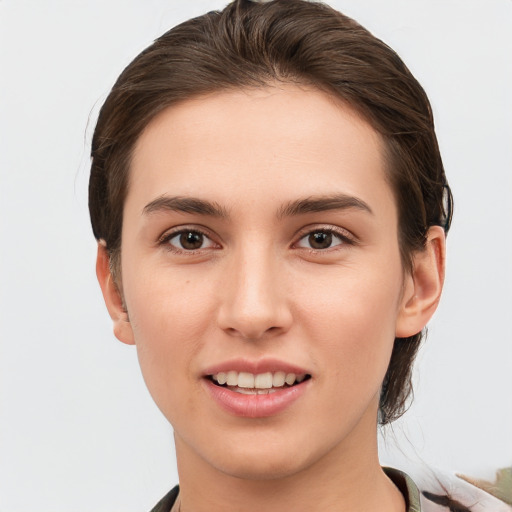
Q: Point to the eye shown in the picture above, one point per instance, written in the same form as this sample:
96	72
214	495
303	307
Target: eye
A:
188	240
322	239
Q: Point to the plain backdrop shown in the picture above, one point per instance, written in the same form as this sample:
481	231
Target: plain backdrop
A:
78	430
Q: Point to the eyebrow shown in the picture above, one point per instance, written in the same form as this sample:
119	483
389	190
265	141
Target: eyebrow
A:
293	208
185	205
323	203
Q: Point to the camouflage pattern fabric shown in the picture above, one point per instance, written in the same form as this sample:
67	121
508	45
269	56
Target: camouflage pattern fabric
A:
443	493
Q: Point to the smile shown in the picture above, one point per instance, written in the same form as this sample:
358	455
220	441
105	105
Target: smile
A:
256	389
257	384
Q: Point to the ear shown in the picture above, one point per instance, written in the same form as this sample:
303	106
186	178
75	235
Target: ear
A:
423	286
113	298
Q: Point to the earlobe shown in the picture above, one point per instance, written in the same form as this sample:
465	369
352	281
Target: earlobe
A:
112	296
423	287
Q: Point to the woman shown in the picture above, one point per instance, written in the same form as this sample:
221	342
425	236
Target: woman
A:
271	209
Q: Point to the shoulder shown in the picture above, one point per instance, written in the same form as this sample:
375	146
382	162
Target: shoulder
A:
443	491
166	503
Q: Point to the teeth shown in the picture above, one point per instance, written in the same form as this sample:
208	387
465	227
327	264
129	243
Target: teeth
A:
244	391
262	382
245	380
232	379
290	378
222	378
278	379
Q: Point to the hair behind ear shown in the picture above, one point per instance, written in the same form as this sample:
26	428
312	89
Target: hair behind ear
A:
422	292
397	391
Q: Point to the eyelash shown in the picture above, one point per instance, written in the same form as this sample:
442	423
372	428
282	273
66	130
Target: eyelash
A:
165	239
343	237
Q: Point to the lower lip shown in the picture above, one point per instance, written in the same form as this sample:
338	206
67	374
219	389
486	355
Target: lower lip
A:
255	406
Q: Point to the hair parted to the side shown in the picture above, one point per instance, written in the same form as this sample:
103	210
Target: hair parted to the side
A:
256	44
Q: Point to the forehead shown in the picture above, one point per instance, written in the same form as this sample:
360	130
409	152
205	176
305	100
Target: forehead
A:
286	140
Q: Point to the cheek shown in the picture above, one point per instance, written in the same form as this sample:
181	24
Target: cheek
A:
168	303
351	315
170	315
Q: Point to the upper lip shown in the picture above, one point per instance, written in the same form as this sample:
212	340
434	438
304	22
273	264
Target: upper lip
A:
255	367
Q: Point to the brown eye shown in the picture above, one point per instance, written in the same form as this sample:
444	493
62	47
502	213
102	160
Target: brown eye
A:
190	240
321	240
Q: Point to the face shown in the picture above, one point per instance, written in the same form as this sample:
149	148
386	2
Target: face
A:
262	278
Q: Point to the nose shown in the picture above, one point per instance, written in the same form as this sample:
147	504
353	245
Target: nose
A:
254	303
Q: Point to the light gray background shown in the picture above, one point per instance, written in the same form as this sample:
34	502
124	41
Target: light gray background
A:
78	430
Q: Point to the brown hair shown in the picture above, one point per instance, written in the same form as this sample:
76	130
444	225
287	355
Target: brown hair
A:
252	44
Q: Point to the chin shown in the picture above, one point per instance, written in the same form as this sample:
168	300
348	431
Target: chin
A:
265	459
262	468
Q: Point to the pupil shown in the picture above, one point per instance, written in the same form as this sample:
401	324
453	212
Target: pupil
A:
320	240
191	240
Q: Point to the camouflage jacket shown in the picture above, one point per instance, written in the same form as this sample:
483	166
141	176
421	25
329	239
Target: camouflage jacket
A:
441	493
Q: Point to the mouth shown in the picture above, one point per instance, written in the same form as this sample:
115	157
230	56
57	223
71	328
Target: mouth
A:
257	384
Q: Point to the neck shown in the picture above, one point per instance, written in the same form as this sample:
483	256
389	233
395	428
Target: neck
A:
346	478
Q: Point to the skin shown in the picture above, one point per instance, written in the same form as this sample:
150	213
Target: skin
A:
256	288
